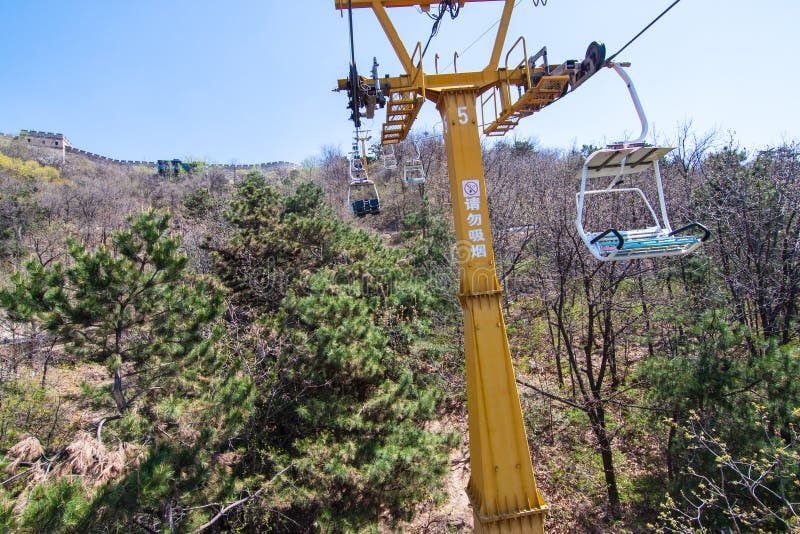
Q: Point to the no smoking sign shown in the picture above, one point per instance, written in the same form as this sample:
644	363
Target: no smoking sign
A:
472	188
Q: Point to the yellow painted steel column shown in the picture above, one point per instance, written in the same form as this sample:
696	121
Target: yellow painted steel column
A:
502	487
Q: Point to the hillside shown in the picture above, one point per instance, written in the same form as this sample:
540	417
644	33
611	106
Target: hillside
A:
207	351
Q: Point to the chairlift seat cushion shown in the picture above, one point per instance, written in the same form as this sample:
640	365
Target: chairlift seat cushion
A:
360	208
645	244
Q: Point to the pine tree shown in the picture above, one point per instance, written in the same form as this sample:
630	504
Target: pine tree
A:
334	320
732	448
134	307
130	306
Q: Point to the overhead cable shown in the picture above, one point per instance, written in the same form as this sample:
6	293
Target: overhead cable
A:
481	36
447	6
641	32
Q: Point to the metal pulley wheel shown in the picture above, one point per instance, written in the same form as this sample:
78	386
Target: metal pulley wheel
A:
595	56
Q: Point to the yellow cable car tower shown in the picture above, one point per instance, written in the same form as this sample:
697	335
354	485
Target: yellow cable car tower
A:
502	487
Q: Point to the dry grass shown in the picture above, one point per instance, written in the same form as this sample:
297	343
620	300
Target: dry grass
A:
27	450
113	464
90	459
85	456
55	413
82	455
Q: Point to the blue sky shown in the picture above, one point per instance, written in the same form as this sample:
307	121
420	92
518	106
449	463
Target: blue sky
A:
250	80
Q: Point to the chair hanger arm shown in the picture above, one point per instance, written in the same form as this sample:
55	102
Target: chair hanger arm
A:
636	103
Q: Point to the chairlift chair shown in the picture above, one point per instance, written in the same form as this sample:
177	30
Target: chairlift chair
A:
362	194
358	170
388	157
413	171
623	159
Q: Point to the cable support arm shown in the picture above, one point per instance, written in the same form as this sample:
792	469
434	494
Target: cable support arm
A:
636	102
422	4
379	8
502	31
480	80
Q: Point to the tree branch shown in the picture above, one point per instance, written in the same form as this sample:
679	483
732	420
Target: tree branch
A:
6	481
550	395
102	422
233	505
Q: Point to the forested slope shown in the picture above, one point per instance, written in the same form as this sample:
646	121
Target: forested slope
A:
197	355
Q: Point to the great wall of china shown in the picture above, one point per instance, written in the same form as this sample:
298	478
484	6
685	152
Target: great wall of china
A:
60	143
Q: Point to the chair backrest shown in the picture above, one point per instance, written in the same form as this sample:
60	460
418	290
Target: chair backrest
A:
388	157
616	163
630	212
413	172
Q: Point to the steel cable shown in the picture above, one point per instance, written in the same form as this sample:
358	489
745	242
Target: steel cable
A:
641	32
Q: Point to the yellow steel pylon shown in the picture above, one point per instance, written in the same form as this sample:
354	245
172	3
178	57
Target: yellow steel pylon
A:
502	487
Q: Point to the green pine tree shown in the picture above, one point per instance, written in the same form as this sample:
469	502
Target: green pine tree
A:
130	306
337	324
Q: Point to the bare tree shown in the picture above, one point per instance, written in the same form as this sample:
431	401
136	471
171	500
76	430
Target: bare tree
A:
588	309
754	208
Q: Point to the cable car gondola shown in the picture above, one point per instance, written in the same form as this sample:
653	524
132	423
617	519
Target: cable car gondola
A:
655	237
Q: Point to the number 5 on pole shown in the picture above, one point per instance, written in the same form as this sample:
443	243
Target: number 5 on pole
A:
462	115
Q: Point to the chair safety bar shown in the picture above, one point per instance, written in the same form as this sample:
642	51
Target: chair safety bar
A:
620	239
706	231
